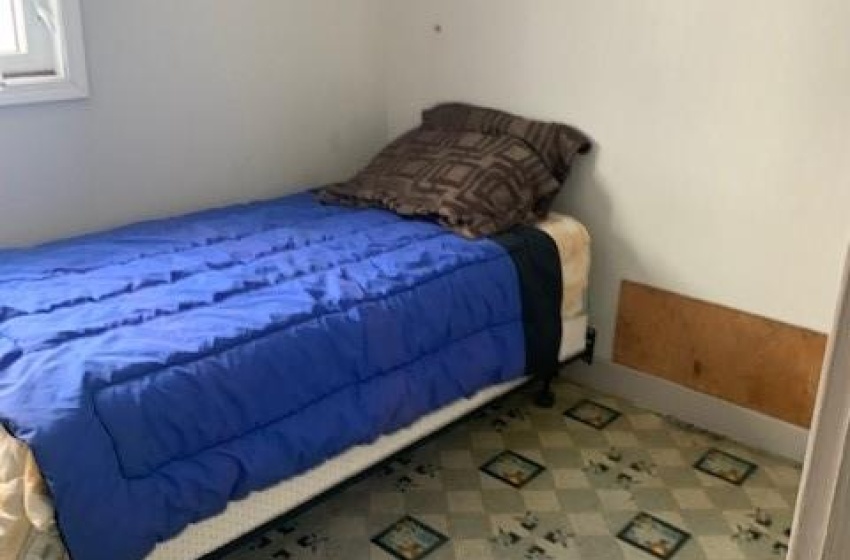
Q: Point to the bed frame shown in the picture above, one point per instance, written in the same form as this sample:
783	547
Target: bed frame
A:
546	397
246	520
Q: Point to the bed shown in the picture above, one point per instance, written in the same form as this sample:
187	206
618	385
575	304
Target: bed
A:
173	385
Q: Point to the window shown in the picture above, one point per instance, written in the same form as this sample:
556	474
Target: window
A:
41	51
9	23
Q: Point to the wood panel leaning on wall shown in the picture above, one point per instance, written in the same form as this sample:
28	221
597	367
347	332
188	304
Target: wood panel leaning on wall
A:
757	363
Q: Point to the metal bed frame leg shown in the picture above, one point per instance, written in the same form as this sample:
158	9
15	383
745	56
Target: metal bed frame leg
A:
546	397
590	346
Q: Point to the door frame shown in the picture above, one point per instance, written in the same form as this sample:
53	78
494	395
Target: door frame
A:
826	472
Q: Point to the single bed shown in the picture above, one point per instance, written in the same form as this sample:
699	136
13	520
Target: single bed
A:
217	370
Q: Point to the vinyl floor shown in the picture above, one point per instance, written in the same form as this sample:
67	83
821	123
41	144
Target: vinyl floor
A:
595	478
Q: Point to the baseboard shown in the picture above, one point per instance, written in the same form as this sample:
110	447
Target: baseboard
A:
743	425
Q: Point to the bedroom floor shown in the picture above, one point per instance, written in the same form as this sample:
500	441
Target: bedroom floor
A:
576	486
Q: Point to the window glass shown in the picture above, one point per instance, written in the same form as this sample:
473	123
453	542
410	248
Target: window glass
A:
41	51
9	43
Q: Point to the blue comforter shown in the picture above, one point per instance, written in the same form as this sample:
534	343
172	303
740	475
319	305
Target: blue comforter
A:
160	370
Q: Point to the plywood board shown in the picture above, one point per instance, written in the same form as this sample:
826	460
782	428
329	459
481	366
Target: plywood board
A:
758	363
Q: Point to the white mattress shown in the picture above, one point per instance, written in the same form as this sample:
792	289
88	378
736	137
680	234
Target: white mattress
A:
27	526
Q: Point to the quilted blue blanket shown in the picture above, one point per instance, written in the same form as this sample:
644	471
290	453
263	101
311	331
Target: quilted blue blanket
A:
160	370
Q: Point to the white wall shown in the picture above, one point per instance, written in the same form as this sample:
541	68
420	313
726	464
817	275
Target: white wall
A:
722	168
722	127
195	103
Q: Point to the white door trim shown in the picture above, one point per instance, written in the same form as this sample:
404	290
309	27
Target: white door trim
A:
826	461
740	424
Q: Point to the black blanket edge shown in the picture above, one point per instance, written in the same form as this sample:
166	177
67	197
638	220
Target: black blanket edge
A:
538	264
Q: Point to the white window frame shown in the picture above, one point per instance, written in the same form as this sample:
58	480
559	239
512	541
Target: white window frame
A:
70	80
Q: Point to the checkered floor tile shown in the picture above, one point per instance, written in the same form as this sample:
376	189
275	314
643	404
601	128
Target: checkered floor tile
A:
595	478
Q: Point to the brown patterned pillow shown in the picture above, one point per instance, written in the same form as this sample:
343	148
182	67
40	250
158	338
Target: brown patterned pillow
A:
474	183
557	144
